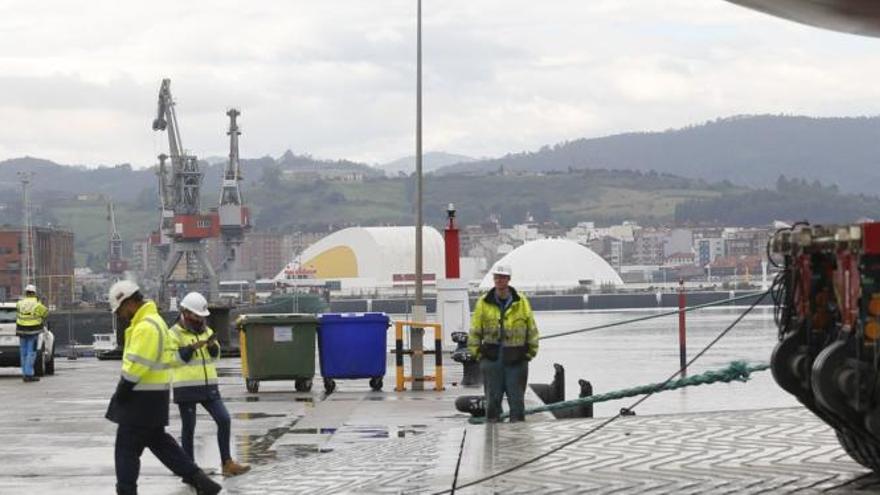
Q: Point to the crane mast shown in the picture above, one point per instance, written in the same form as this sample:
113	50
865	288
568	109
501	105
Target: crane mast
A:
234	216
115	263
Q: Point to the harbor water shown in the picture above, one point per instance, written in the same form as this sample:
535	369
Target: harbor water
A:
648	352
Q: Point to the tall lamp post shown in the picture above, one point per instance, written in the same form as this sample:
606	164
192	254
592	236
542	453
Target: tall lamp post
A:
419	311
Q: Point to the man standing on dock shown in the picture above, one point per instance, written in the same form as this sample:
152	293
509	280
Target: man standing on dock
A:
30	317
140	404
504	338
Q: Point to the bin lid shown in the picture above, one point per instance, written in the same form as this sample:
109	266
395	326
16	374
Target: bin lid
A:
354	318
275	319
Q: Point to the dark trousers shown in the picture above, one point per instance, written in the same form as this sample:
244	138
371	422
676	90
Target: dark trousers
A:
220	415
500	379
130	443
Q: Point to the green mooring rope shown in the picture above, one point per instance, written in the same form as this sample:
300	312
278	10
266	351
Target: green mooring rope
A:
737	371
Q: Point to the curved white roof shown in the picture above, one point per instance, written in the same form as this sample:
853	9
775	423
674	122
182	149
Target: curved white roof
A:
371	256
554	264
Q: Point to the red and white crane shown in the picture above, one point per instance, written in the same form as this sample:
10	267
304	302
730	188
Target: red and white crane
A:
183	226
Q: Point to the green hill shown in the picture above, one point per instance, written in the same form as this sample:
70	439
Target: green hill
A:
750	150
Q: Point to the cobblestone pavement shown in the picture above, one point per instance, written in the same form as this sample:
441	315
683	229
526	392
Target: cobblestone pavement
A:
53	439
765	451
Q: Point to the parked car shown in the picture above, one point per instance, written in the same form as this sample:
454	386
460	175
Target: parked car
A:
10	355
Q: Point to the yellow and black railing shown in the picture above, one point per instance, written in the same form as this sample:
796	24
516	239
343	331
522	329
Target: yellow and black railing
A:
400	352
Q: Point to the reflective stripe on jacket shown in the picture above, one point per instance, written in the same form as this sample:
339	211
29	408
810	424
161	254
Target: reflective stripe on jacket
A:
519	324
30	312
194	380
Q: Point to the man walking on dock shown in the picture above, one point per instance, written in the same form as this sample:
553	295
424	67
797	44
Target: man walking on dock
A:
30	317
504	338
140	404
195	379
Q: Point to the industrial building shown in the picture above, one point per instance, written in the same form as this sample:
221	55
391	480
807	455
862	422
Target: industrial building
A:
555	264
52	268
367	258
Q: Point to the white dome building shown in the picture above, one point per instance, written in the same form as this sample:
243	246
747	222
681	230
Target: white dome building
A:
371	257
554	264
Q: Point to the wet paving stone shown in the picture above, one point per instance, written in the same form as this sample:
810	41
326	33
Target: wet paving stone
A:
57	441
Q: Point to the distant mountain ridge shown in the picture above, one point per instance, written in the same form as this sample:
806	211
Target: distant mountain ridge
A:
747	150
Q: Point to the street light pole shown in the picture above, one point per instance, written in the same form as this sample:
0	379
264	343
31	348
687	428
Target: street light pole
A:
27	264
419	268
419	310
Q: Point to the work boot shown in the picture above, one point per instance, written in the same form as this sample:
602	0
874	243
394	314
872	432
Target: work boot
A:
203	484
232	468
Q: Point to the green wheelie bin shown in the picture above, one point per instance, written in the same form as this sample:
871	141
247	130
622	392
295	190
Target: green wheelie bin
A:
277	346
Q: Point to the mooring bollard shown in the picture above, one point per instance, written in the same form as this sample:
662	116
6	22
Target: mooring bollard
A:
475	405
553	392
586	410
471	376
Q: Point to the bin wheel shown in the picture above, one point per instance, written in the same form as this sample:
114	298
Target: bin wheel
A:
329	385
253	386
376	383
303	385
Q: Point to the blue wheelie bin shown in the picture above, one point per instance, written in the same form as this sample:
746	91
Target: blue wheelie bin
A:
353	345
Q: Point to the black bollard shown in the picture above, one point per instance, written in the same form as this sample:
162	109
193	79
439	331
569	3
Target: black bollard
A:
585	410
475	405
471	374
553	391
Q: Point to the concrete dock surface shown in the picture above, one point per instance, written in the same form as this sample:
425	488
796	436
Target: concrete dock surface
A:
54	439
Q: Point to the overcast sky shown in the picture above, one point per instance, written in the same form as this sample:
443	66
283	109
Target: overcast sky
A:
336	79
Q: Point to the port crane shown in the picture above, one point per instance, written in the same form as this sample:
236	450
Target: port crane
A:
183	227
115	262
234	216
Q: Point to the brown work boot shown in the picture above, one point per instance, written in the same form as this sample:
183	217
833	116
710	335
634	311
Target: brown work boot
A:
232	468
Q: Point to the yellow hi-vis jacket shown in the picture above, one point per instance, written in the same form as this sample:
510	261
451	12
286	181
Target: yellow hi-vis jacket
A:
147	352
30	315
520	340
146	362
194	373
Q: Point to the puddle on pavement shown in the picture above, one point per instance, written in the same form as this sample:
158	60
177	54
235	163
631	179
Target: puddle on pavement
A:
255	449
256	415
312	431
300	451
269	398
356	433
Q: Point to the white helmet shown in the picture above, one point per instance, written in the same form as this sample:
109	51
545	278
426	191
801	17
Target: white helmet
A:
502	270
119	292
31	288
195	303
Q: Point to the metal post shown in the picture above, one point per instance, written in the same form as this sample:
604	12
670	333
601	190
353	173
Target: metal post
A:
419	311
71	340
682	333
26	240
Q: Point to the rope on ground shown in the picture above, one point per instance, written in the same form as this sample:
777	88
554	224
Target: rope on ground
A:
736	371
658	315
458	463
610	420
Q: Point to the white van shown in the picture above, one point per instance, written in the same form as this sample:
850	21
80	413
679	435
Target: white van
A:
10	353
